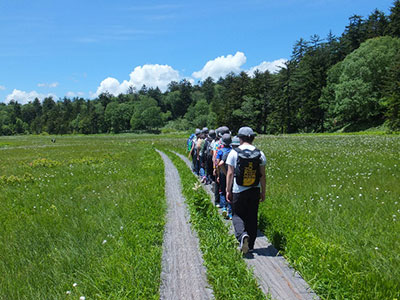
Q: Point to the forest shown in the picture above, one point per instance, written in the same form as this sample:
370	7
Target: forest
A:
340	83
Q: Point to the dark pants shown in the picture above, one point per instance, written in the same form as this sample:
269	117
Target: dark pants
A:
245	210
209	168
216	192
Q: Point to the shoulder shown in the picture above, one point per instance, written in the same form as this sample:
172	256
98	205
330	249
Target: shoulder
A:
263	158
231	159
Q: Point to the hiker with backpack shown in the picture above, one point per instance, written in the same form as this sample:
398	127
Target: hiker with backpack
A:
193	152
199	154
220	131
245	187
208	163
221	175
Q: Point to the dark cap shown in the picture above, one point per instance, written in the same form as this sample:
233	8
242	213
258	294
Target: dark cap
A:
226	139
212	134
246	131
222	130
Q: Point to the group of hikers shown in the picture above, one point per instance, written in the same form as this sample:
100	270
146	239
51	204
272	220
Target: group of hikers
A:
236	169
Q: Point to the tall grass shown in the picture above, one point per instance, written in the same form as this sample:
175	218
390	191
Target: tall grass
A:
333	206
82	217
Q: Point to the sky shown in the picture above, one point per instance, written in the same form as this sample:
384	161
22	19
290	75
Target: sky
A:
83	48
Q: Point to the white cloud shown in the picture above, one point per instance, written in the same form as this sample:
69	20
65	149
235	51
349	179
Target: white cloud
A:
161	75
48	85
272	67
73	94
23	97
150	75
221	66
2	87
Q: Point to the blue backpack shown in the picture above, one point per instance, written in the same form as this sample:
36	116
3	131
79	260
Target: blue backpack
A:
190	141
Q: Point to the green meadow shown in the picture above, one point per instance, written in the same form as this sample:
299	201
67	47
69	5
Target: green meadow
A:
81	217
333	208
84	216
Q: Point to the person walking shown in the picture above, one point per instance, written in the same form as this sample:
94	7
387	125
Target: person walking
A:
245	187
193	152
221	175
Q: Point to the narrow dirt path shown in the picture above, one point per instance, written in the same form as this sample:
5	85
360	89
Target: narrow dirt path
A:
183	275
272	271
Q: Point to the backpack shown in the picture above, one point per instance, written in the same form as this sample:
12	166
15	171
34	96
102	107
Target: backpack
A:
189	141
207	149
247	170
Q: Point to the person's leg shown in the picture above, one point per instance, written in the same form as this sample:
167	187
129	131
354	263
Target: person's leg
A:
216	192
253	200
222	187
229	211
201	168
239	210
197	170
209	169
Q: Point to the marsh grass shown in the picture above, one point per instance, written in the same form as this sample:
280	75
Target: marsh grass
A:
333	206
88	220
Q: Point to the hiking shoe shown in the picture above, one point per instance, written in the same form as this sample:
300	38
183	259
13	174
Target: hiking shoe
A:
230	216
224	213
244	244
217	205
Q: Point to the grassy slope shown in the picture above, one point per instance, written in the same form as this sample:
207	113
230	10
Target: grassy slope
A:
92	213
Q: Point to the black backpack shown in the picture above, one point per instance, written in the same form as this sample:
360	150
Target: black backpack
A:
247	171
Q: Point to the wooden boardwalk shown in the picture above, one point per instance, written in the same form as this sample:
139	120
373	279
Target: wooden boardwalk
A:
272	271
183	274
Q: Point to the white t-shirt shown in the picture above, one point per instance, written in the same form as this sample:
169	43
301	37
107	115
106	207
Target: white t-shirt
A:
231	160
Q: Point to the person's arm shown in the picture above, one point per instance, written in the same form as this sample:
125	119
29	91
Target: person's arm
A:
221	166
263	181
198	147
229	183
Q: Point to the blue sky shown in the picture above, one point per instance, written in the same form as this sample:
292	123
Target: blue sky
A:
82	48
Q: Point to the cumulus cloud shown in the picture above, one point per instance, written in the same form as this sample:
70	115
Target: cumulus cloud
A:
161	75
23	97
273	66
221	66
2	87
48	85
150	75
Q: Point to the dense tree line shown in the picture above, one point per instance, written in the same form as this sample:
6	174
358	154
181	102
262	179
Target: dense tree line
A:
349	82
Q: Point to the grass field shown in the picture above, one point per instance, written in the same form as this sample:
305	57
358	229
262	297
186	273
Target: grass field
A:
83	209
333	207
81	217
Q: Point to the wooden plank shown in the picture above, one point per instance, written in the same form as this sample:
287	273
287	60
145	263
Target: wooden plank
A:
272	271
